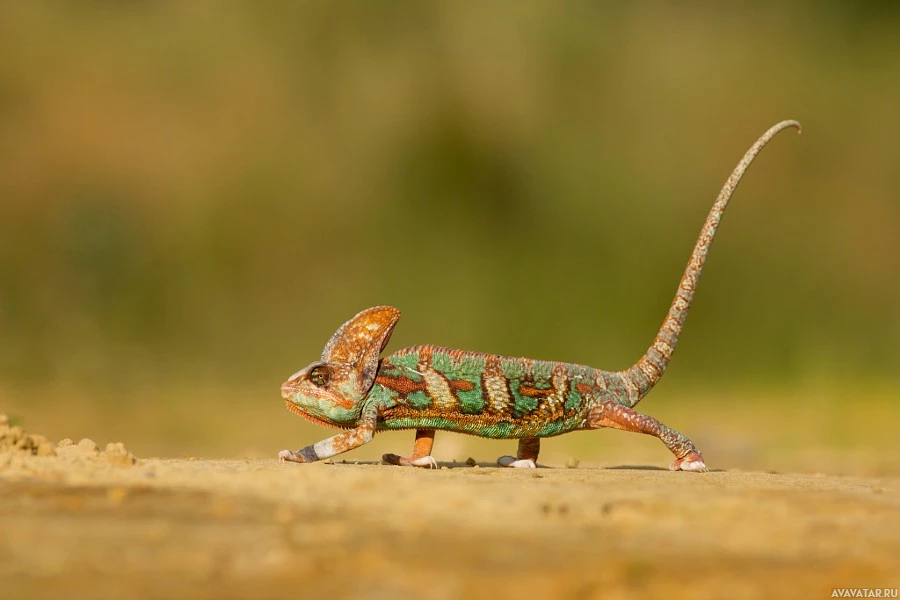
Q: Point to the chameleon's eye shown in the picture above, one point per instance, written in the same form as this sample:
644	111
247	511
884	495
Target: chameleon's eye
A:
320	375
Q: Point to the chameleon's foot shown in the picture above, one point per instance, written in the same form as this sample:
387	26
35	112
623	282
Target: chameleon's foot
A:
513	463
287	455
425	462
527	455
692	461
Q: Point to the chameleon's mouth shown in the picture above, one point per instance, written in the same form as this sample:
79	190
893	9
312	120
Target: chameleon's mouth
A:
294	409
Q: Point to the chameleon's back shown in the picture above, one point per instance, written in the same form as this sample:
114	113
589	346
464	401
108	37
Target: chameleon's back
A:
429	387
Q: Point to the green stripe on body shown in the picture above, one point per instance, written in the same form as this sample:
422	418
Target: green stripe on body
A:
499	430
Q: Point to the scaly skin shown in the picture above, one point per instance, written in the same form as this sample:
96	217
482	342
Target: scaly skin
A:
429	388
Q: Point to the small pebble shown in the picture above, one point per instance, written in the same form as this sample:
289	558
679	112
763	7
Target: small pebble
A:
116	448
116	454
88	445
572	462
46	449
470	461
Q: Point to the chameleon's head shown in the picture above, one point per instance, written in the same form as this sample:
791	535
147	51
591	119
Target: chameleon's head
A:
331	391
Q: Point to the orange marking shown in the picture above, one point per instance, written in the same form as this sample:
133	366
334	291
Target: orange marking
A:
402	385
462	385
583	388
533	392
345	403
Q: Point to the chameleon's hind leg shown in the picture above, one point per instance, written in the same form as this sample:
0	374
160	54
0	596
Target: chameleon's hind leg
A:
611	414
526	457
421	456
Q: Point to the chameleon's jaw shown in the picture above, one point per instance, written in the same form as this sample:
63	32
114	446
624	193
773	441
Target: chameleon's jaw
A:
297	411
288	390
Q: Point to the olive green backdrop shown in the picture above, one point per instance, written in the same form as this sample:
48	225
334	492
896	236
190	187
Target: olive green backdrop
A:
194	195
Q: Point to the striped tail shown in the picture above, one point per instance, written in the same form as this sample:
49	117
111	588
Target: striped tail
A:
640	378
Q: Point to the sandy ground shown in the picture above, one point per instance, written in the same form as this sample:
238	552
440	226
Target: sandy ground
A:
84	522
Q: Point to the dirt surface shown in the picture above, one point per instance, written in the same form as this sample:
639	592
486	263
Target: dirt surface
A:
81	522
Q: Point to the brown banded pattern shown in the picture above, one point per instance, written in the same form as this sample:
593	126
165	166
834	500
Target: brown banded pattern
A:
643	375
551	401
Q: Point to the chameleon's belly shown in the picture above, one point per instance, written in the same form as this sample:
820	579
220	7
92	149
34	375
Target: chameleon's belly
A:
484	425
428	387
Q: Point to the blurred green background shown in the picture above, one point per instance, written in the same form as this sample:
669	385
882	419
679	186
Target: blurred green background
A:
194	195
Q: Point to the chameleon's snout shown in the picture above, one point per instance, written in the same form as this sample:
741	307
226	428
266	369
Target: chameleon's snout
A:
290	386
285	390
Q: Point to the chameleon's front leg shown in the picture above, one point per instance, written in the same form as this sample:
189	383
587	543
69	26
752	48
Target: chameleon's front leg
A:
336	444
611	414
526	457
421	456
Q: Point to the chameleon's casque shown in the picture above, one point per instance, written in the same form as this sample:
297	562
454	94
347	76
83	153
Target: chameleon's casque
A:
427	388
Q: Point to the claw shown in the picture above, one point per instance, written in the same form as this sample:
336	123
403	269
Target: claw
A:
513	463
693	461
425	462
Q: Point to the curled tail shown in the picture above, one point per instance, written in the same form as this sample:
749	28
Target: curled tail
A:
641	377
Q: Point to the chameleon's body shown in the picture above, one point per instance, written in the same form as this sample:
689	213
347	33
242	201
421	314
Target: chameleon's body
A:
426	387
429	388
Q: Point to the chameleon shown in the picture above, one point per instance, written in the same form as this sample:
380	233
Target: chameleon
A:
430	388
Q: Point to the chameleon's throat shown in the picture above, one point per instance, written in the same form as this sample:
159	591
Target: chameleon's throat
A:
294	409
